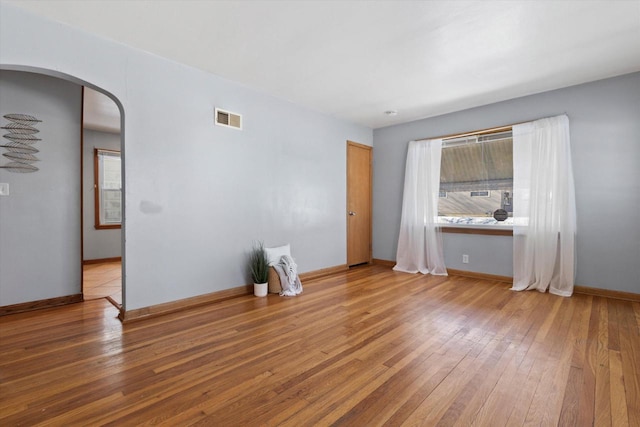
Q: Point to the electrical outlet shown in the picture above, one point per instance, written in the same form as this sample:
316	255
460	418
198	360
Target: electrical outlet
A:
4	188
465	259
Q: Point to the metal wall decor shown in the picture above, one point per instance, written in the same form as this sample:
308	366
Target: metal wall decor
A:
21	137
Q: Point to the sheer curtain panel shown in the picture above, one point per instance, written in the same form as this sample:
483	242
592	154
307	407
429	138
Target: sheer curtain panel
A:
544	207
420	240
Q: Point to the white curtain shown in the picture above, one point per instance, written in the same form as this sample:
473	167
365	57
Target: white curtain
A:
420	240
544	207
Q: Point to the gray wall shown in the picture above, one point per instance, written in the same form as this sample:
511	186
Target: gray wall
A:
605	138
197	195
40	219
104	243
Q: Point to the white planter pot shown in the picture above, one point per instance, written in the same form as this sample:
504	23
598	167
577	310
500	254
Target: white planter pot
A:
260	289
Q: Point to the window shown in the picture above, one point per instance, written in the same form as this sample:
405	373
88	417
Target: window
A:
476	175
108	189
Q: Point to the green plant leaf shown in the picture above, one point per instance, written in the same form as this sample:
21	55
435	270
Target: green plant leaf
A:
259	263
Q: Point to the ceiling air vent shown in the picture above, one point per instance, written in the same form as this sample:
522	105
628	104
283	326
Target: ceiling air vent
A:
229	119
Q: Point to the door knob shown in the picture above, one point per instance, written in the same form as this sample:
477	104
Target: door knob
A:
351	213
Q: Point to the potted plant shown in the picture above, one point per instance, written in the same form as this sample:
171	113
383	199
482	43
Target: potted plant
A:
259	267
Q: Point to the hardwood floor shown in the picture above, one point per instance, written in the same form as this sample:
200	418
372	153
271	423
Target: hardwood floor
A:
367	347
103	280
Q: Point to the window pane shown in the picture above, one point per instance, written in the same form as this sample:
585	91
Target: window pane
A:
108	188
477	178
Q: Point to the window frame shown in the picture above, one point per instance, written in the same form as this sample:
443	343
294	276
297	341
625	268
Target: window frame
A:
491	229
97	191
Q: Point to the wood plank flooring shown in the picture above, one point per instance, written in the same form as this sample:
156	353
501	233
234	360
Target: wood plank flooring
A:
366	347
103	280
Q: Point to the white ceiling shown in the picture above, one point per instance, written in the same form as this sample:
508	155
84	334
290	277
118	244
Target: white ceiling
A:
356	59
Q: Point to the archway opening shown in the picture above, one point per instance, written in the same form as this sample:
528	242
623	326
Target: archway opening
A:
102	198
31	239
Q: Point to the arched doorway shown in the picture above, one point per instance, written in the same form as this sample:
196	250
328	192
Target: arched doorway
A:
15	283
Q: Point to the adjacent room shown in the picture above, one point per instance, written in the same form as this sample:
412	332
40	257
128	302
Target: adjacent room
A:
320	213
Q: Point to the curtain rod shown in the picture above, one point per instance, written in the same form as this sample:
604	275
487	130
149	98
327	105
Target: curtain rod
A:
477	132
483	131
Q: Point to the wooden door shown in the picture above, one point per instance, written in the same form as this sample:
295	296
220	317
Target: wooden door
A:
358	203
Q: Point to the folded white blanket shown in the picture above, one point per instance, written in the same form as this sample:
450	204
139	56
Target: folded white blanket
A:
288	273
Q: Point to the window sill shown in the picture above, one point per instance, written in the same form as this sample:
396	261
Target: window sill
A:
108	227
490	230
